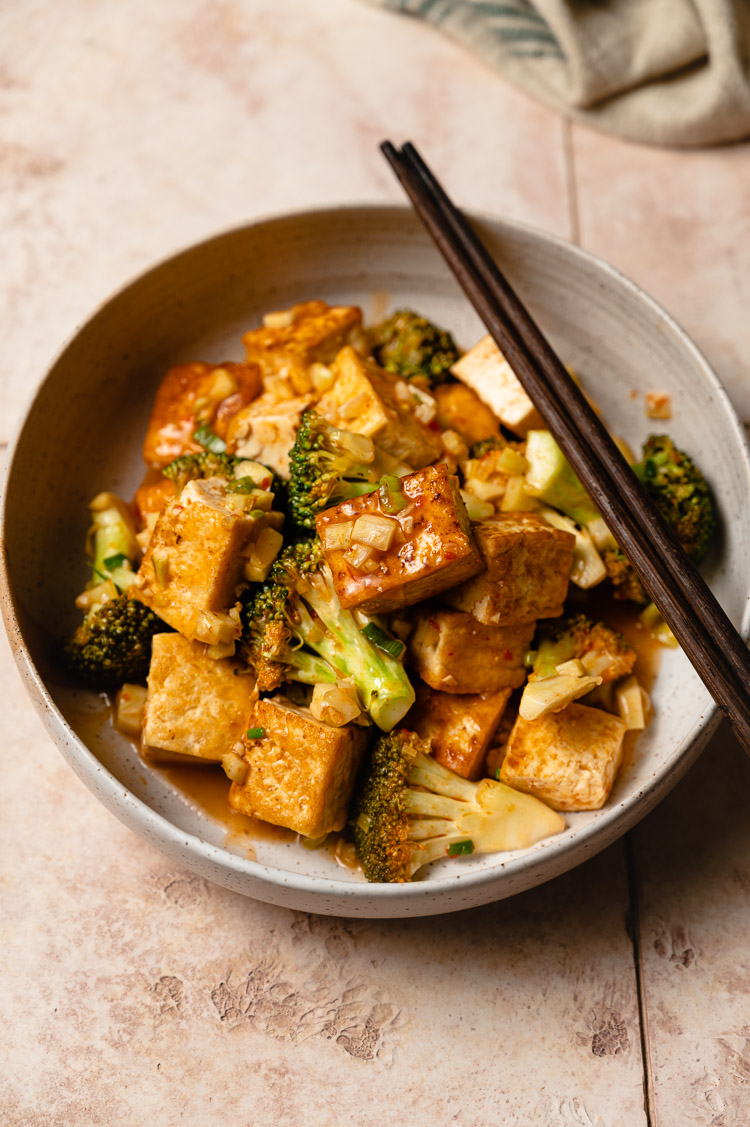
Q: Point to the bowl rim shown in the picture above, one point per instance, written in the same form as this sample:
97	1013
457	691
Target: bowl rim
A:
614	819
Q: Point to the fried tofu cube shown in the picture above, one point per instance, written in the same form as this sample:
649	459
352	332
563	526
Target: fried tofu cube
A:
195	394
289	342
301	772
265	431
196	707
195	559
459	408
486	371
569	759
431	546
366	399
527	568
461	727
455	653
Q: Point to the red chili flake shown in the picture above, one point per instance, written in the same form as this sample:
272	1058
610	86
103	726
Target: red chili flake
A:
433	624
434	425
508	655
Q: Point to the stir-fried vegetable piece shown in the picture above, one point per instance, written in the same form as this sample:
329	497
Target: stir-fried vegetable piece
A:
113	545
413	346
409	810
113	643
241	474
602	651
680	492
297	607
327	465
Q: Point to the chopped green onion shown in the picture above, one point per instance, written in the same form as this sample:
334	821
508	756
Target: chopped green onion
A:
112	562
206	438
383	641
457	848
497	774
256	733
529	658
241	485
391	498
256	514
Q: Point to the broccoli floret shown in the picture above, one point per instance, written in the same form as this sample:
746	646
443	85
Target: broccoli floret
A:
327	465
622	576
603	651
297	607
411	345
479	449
242	475
113	644
680	493
398	828
682	496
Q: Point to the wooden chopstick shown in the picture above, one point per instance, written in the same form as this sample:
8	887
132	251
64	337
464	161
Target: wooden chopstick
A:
697	620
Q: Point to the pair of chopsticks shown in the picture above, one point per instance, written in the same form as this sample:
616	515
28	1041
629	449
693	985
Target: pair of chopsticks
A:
682	596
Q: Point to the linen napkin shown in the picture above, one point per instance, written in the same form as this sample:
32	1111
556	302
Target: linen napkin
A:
667	72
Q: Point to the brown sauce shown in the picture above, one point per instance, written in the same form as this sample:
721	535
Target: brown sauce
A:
207	788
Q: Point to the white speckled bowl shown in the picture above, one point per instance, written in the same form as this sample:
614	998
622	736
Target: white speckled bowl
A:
83	433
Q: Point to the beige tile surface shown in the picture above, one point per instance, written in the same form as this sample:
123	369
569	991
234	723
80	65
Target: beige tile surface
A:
128	132
678	223
693	863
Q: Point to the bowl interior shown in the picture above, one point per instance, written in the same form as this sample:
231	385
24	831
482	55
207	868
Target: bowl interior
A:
84	430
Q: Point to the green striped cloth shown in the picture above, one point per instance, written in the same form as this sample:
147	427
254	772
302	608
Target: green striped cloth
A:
668	72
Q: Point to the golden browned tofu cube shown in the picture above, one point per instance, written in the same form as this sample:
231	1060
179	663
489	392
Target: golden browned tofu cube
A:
196	707
291	341
484	369
195	394
527	567
195	559
265	431
461	409
460	727
452	651
301	772
431	546
368	400
569	759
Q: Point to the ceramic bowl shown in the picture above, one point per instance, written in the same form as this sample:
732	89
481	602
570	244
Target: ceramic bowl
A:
83	433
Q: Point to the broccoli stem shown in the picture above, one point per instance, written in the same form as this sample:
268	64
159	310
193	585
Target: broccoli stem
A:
380	680
113	534
307	668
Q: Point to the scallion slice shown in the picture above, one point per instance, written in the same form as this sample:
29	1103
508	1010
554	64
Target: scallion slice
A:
118	560
391	498
457	848
383	641
256	733
241	485
209	440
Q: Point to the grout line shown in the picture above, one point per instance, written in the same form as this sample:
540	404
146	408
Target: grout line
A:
571	187
633	928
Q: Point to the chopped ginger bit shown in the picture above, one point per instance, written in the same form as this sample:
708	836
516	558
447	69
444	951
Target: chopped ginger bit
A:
658	405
